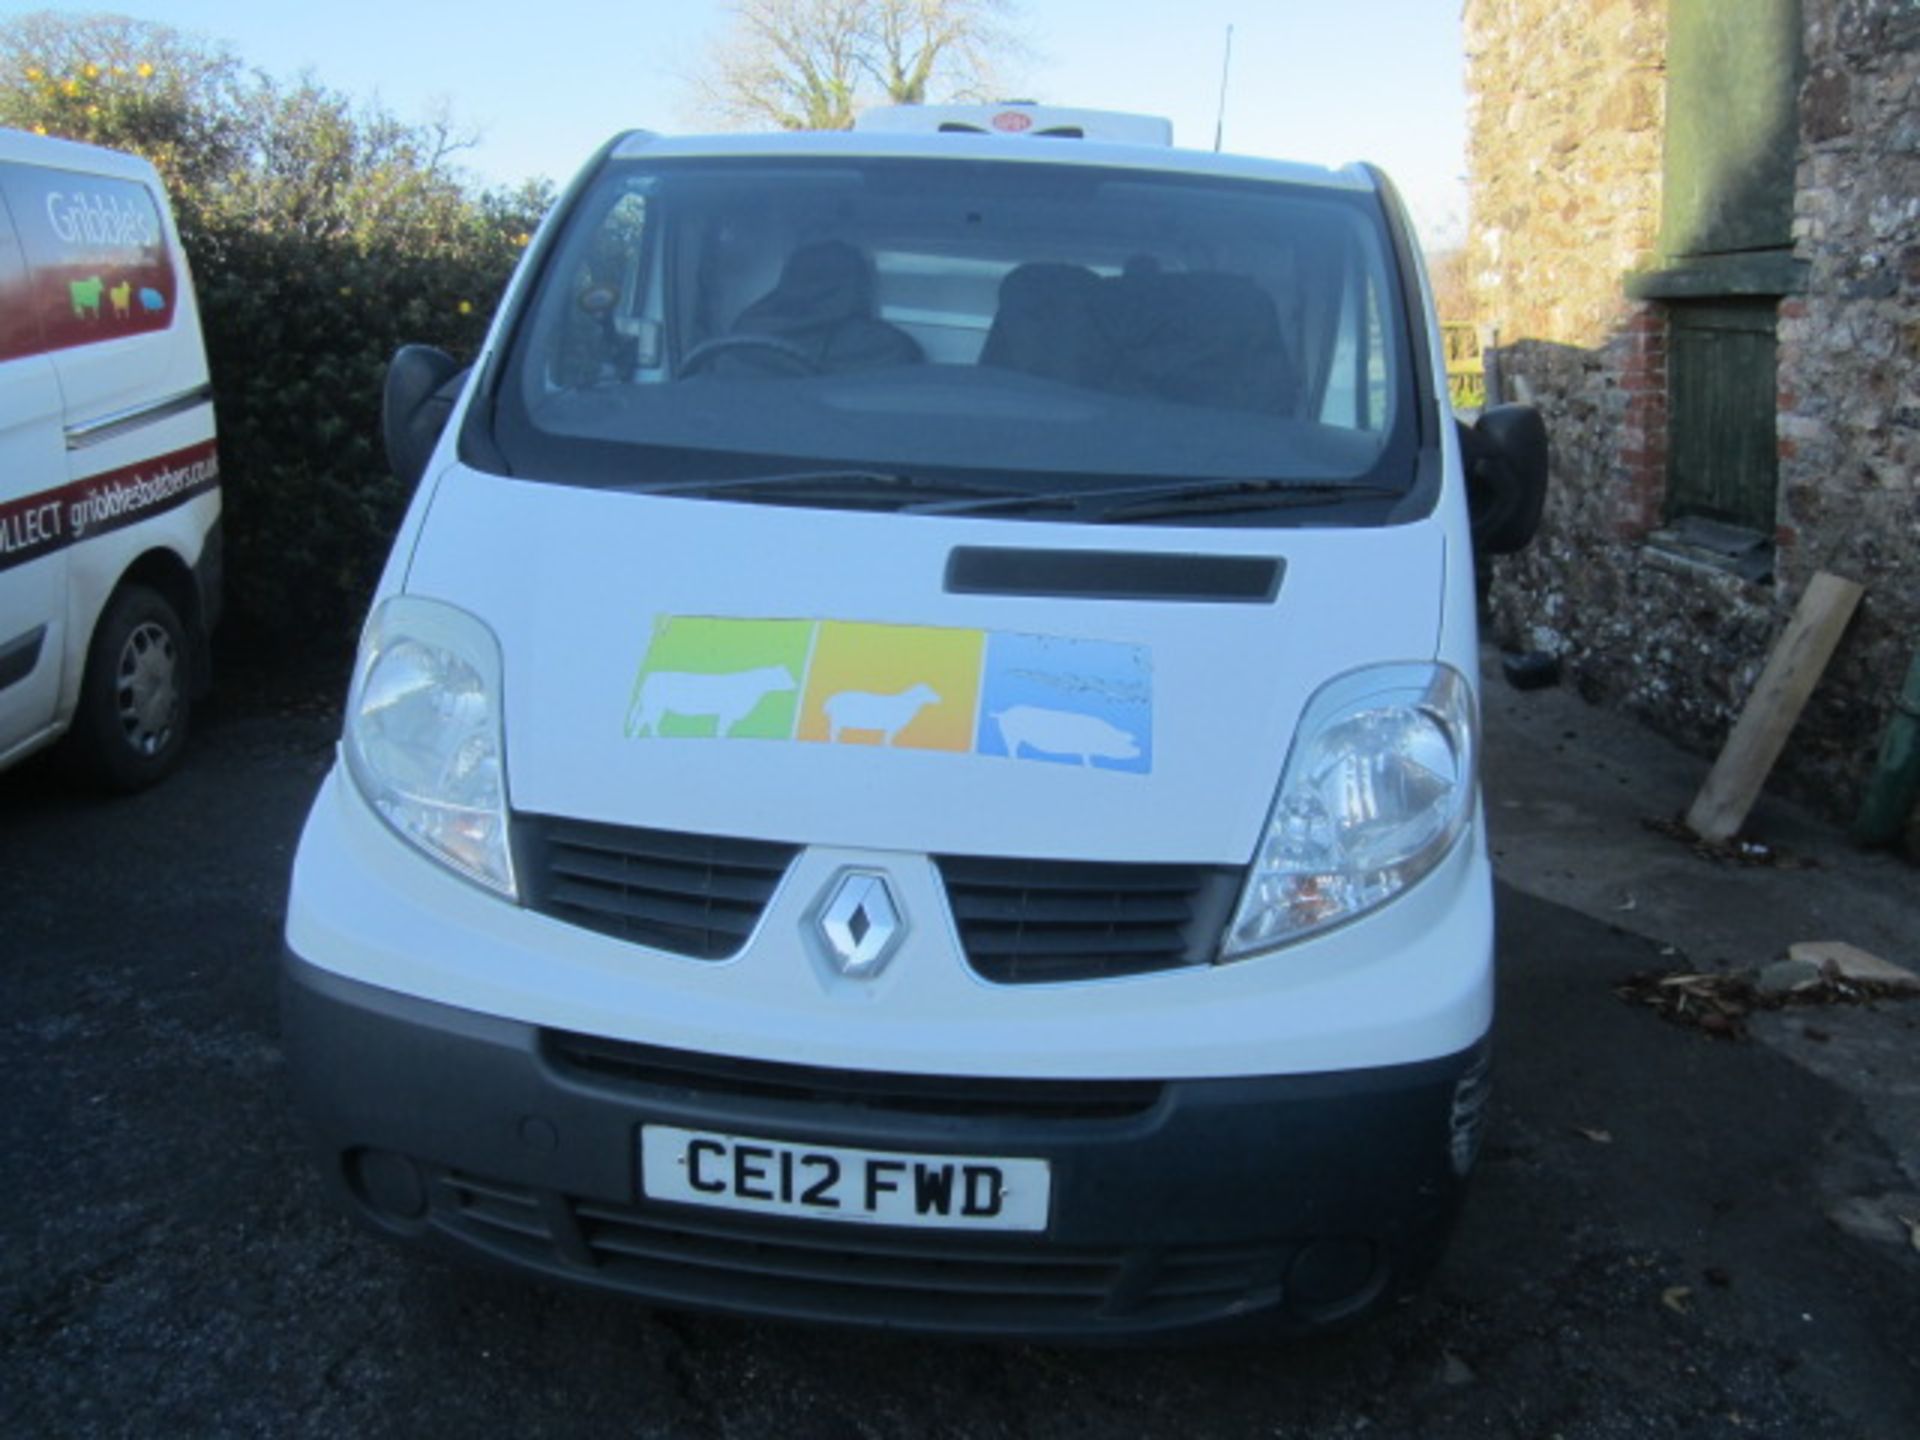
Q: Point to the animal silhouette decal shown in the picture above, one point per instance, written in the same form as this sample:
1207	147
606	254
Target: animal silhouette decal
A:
886	714
1063	733
726	699
1052	699
85	295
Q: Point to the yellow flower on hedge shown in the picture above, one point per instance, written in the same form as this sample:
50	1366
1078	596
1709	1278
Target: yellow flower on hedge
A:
523	239
39	129
72	87
143	70
466	307
33	72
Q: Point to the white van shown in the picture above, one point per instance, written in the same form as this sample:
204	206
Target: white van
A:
914	761
109	480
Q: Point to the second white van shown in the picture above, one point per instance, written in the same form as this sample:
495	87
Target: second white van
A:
110	553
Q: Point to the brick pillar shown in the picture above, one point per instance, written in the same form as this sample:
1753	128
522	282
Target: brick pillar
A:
1793	332
1640	481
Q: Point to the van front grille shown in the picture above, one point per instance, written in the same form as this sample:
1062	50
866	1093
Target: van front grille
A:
693	895
930	1280
1035	921
1020	921
712	1078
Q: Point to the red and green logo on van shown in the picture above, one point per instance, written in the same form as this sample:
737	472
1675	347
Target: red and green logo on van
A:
92	263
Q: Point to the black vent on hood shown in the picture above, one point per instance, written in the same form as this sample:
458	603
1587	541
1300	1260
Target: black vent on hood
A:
694	895
1113	575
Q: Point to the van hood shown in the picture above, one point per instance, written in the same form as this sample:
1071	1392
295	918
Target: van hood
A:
812	676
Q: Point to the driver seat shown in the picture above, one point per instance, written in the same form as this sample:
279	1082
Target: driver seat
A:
823	305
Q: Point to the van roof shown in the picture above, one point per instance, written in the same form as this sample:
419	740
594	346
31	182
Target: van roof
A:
1005	148
24	148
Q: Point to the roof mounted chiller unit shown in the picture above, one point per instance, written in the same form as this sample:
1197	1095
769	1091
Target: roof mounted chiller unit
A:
1020	119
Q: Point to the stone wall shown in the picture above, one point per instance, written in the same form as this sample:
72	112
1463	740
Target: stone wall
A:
1566	111
1850	366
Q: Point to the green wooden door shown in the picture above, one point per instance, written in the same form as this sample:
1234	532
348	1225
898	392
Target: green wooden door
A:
1722	449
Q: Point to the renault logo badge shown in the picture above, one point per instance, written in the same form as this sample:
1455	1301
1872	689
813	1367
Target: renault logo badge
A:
860	924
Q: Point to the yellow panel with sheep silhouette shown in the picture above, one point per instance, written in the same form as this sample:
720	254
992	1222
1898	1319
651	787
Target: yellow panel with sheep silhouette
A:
909	686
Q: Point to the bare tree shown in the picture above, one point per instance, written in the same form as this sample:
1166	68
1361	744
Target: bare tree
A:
814	64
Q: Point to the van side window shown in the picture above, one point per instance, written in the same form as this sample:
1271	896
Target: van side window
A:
608	334
96	255
1356	394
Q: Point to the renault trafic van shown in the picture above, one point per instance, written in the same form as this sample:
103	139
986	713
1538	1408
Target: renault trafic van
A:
109	479
915	758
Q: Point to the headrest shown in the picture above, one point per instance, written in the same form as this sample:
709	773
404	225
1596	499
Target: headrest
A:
824	281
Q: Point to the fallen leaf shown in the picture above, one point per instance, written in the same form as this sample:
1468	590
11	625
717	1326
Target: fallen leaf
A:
1678	1298
1595	1134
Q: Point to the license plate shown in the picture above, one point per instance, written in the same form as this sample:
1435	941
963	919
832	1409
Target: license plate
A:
831	1182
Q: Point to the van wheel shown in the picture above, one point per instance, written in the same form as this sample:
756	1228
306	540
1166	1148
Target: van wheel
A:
135	700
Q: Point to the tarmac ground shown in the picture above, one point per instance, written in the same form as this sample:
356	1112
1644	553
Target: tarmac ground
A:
1671	1234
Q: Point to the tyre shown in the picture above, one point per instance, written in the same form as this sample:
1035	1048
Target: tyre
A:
136	696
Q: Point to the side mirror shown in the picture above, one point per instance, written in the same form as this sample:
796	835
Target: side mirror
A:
422	385
1505	455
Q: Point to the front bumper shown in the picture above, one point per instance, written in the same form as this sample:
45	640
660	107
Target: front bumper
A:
1178	1207
1412	980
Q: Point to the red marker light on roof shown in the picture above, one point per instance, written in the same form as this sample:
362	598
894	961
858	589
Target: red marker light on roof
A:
1012	121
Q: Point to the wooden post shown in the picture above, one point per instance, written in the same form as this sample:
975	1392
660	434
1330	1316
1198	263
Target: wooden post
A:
1799	657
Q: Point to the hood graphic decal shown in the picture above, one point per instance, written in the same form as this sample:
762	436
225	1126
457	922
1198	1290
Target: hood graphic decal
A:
913	687
1047	698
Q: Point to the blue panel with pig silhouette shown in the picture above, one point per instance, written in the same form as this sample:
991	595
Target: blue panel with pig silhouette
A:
1073	702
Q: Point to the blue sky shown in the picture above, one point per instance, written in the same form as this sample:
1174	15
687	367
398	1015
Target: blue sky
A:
1318	80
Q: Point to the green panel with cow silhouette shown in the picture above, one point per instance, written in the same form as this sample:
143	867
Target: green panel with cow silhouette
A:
735	679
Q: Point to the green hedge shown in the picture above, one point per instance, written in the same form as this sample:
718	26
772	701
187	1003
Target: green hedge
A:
322	236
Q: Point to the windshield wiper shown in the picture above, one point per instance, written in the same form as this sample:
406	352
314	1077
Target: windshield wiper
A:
925	495
892	487
1143	502
1228	497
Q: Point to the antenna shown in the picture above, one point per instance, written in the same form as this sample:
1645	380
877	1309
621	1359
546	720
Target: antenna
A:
1220	121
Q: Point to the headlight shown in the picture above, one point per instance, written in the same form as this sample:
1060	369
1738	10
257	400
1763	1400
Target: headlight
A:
423	735
1379	785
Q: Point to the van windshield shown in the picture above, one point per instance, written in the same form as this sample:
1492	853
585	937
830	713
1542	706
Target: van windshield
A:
959	336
